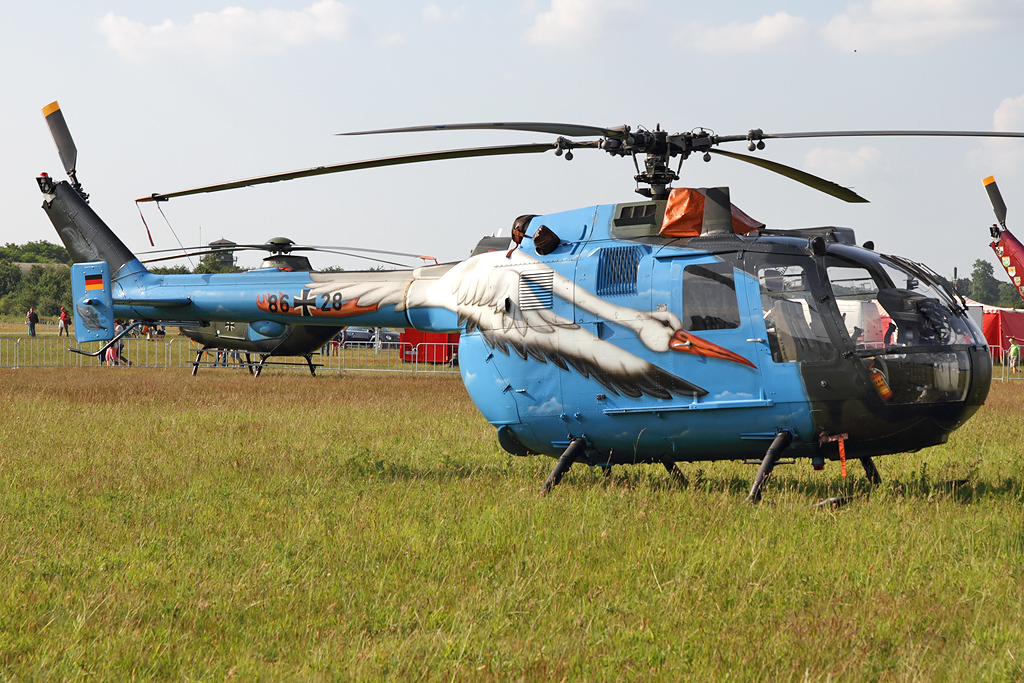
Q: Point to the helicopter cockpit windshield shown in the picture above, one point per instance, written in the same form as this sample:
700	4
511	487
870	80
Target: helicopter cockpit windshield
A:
907	326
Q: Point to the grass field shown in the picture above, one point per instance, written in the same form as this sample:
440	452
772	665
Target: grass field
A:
159	526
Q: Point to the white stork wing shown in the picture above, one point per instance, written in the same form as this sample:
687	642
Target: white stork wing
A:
366	288
484	292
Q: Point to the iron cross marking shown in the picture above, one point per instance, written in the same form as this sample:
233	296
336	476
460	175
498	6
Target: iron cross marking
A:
304	302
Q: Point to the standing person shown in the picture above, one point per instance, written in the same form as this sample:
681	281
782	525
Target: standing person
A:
1014	355
114	350
31	319
63	322
115	354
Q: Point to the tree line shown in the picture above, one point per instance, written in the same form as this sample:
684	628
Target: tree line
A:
985	288
46	285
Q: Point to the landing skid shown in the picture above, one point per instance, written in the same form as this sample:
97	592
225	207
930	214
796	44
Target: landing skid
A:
258	368
772	458
199	359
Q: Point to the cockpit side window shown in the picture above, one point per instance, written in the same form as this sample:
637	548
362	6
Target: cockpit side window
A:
905	328
894	307
709	297
856	295
792	319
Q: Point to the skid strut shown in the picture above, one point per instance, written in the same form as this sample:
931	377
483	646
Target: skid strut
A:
675	472
564	463
775	451
870	471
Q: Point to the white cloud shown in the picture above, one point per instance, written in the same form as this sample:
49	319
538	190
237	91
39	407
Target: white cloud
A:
391	40
234	30
572	23
433	14
768	32
914	26
839	165
1009	115
1003	155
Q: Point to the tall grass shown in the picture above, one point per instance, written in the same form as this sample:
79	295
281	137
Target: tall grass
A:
159	526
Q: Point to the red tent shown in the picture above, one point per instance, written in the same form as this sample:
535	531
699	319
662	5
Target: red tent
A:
999	324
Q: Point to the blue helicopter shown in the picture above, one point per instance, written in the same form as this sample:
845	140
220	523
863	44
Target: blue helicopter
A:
223	337
672	329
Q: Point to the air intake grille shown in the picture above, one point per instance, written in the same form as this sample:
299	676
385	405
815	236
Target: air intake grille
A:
535	290
637	214
616	271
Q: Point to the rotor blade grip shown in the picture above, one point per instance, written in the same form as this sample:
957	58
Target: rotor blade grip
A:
61	137
994	196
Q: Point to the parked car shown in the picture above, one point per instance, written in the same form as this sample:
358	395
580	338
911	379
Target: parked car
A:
365	336
389	338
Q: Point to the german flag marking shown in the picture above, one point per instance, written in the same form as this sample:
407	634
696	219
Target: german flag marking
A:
93	282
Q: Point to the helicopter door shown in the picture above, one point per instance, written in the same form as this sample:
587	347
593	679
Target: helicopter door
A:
713	305
791	333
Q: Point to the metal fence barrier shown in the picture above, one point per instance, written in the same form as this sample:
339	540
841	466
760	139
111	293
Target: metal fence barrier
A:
180	353
1001	363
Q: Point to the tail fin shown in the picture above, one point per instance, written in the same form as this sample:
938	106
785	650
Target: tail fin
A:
82	231
94	304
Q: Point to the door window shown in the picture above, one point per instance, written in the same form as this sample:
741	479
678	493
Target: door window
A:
791	316
709	297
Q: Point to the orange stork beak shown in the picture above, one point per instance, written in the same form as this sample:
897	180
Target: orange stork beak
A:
688	343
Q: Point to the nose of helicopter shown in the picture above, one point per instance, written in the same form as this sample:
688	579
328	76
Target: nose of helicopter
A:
688	343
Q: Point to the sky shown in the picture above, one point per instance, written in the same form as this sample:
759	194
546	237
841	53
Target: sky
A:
165	96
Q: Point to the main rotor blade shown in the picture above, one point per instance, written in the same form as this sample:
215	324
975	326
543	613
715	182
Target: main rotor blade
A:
826	186
193	251
61	137
332	250
204	248
758	135
270	248
532	148
569	129
994	196
221	251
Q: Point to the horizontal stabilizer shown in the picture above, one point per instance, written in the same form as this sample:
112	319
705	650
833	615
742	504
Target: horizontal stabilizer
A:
155	303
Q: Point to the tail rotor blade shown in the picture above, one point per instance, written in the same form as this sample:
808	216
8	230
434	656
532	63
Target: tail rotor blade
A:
61	137
998	205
